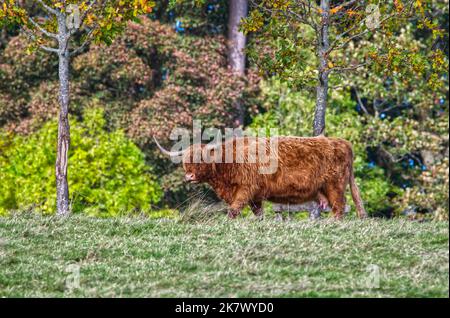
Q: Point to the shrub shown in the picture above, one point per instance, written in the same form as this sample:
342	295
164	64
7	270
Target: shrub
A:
20	71
407	118
107	172
148	81
11	109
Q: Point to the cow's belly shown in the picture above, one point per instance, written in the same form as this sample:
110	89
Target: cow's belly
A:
290	195
289	189
291	199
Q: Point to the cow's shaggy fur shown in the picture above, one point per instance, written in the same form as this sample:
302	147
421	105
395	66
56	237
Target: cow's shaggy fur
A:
308	169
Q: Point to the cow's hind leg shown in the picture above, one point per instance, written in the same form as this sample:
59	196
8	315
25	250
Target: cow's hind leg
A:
322	200
336	198
335	192
257	208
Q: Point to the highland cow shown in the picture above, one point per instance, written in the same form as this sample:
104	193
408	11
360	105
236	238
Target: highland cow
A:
308	169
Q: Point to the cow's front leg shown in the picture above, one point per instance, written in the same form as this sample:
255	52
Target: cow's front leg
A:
233	213
236	208
240	199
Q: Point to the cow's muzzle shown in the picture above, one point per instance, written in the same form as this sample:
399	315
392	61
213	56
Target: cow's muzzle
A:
190	177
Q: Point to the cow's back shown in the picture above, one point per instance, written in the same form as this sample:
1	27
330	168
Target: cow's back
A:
305	165
320	154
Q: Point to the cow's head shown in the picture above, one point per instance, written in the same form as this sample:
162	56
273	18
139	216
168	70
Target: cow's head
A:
196	168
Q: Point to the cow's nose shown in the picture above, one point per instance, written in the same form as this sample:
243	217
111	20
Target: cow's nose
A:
189	177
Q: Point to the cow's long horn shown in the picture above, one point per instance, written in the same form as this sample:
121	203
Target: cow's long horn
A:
167	152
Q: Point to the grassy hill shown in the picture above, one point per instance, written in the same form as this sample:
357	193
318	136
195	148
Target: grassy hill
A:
207	257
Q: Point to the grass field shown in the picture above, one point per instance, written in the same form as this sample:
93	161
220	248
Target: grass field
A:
214	257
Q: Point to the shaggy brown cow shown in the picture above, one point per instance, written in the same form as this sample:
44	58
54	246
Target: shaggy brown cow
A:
316	168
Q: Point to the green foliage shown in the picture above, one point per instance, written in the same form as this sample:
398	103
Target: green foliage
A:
406	121
105	19
284	51
286	33
108	175
159	75
400	91
200	17
149	80
375	188
286	109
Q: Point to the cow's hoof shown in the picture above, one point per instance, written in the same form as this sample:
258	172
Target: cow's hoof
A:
259	212
363	216
279	217
314	215
259	216
232	214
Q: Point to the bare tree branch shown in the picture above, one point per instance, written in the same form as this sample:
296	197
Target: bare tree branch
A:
303	18
88	9
87	40
49	49
336	45
349	68
335	87
396	160
41	29
85	13
49	9
307	16
346	4
43	47
360	103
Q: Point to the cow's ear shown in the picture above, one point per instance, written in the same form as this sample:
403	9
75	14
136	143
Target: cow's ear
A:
206	154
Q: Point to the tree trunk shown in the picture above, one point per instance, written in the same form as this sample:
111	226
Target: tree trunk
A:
236	46
323	44
62	187
322	86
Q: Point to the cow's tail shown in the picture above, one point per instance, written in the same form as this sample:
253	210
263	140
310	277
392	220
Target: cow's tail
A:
356	194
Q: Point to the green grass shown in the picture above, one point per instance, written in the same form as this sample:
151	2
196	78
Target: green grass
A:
215	257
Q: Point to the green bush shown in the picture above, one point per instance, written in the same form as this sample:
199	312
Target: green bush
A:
107	172
149	80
